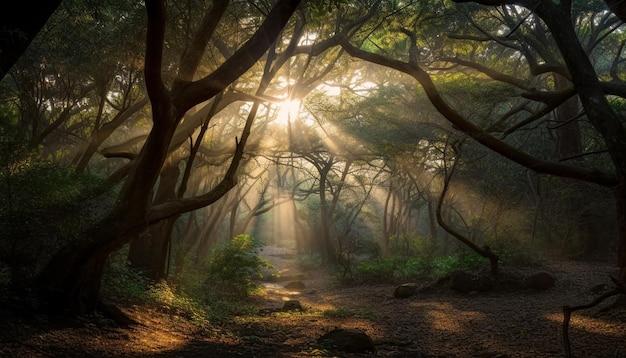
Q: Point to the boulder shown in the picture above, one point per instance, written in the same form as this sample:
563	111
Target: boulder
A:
405	290
348	340
540	281
483	283
292	305
462	281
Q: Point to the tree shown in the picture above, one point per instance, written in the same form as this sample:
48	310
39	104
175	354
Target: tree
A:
573	63
71	281
79	79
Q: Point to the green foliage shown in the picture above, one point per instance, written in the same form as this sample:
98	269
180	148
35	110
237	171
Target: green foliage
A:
339	312
121	283
402	268
368	247
411	245
43	206
444	265
189	296
375	270
517	253
409	256
236	265
167	297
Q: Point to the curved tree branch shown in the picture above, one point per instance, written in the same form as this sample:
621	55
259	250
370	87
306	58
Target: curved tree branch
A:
482	251
469	128
188	94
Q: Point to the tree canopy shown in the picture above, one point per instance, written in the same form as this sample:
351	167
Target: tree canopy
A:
178	125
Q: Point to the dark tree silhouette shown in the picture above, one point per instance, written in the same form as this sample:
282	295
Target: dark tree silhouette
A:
18	27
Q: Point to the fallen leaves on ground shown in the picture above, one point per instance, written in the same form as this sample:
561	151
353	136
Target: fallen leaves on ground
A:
433	323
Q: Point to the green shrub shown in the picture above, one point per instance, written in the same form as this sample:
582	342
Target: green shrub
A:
189	298
375	270
402	268
444	265
517	253
339	312
166	296
121	283
411	245
236	266
43	206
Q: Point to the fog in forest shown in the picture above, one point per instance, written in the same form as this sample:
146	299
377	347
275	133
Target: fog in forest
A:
152	150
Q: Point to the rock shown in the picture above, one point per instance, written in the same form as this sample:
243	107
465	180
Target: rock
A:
292	305
405	290
540	281
348	340
483	283
462	281
295	285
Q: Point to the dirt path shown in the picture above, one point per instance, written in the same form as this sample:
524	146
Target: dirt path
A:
439	323
444	323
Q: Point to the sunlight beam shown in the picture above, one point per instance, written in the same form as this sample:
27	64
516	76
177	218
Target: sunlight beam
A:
288	110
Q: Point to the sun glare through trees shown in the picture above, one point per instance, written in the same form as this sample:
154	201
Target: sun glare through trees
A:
152	149
288	110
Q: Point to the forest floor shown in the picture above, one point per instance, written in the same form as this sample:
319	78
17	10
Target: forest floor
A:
437	322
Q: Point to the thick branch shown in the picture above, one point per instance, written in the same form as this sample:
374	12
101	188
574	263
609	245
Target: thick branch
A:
154	50
189	94
193	54
469	128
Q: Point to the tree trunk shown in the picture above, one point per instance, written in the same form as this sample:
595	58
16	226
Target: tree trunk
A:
149	252
325	245
568	129
70	283
620	200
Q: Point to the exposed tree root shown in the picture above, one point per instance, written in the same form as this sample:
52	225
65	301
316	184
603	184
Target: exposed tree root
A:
619	288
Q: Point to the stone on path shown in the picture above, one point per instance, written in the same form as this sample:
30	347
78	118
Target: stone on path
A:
292	305
405	290
462	281
348	340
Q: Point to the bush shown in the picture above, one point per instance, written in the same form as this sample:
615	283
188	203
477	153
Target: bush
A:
43	206
236	265
411	245
189	298
174	301
375	270
402	268
120	282
444	265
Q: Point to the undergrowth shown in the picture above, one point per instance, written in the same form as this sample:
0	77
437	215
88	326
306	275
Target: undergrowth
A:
204	294
410	265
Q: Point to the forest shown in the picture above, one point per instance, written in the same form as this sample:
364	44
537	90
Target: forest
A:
313	178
